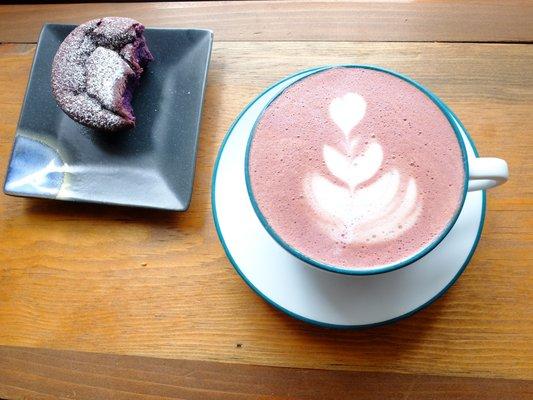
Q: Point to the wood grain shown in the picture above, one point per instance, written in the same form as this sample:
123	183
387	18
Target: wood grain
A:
396	20
141	282
40	373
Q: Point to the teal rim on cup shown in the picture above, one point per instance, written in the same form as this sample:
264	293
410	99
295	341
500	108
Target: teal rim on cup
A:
480	174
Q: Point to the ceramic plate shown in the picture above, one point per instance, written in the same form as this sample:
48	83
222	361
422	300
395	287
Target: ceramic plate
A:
315	295
151	165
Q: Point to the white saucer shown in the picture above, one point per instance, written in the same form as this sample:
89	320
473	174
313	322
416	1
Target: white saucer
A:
306	292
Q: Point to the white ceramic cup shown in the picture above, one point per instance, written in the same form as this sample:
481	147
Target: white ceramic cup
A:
481	173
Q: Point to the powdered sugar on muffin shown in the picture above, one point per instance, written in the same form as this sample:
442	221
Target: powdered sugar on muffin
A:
96	70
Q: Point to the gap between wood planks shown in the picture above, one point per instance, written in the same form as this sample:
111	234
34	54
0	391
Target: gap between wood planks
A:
349	41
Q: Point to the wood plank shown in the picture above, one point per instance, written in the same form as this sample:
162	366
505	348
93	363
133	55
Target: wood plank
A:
397	20
141	282
43	373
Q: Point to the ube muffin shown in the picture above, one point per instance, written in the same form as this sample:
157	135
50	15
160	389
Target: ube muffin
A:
96	70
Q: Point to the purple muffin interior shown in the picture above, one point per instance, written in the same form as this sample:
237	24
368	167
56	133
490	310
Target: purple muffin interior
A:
126	110
138	56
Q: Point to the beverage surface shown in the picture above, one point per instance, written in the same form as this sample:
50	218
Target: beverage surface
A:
356	168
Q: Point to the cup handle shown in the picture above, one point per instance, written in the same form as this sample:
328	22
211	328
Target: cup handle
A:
486	173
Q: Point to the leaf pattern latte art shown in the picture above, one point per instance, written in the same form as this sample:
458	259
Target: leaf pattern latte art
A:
365	207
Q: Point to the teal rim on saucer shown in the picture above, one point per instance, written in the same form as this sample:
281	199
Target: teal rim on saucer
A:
279	306
359	270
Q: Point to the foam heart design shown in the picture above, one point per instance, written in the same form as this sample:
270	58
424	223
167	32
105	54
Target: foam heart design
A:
354	170
347	111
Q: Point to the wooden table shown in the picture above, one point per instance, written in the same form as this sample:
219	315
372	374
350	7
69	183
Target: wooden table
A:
144	304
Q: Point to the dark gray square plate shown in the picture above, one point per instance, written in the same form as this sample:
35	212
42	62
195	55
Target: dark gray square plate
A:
151	165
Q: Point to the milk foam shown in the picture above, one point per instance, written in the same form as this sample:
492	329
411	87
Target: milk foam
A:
354	212
347	111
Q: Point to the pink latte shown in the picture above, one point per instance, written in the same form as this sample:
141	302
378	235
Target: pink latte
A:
354	167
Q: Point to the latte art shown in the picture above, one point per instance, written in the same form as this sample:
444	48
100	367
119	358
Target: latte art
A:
354	212
347	112
355	167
